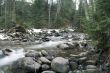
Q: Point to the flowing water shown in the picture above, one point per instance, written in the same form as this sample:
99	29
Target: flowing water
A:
14	56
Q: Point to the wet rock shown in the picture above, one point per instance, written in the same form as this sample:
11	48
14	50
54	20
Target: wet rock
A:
44	60
7	51
45	67
73	65
57	34
30	65
32	53
45	39
60	64
53	31
91	67
44	53
48	72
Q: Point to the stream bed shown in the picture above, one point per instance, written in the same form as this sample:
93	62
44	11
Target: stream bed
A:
48	45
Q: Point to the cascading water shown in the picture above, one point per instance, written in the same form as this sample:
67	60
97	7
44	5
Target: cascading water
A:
14	56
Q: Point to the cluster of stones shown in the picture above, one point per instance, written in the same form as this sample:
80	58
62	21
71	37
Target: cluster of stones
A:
43	62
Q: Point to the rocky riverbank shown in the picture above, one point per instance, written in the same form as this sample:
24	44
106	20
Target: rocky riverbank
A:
47	62
49	51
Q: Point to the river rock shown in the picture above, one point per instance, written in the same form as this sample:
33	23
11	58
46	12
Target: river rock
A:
79	71
45	67
40	54
73	55
30	65
83	54
84	44
44	53
48	72
7	51
34	54
90	62
70	72
91	67
45	39
1	54
82	60
44	60
73	65
50	58
38	61
60	64
91	71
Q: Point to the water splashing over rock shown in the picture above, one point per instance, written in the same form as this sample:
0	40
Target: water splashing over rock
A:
14	56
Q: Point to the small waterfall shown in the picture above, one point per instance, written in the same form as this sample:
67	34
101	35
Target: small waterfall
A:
14	56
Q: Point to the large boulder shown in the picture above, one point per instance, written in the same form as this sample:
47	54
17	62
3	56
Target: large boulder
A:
30	65
60	64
